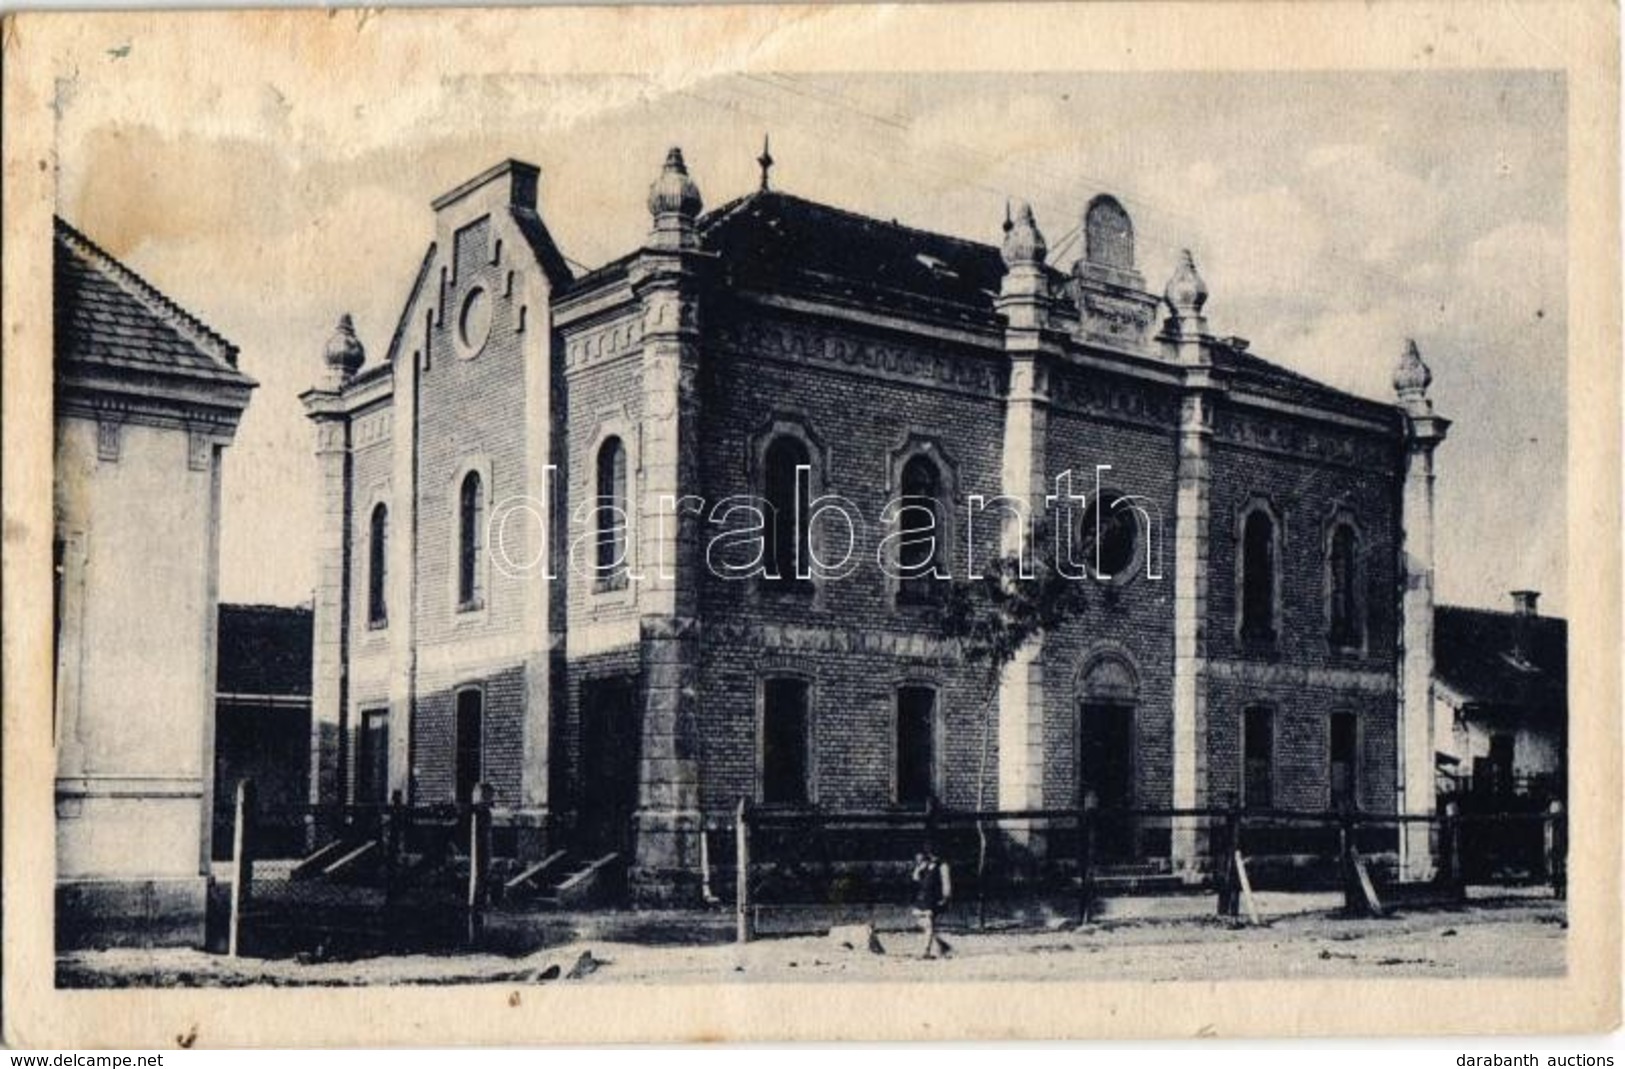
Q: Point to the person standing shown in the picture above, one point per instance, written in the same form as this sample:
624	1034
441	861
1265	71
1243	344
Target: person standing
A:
933	888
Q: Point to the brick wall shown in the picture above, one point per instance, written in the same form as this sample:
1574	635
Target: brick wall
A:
851	641
1301	677
1132	619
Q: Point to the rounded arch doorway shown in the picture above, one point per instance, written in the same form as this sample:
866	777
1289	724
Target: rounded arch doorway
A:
1108	689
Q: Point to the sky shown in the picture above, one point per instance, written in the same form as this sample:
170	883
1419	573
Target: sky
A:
1333	215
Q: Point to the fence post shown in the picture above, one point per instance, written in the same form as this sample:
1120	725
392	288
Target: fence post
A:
242	863
1086	856
1229	878
392	834
742	872
1450	846
1557	849
1353	897
479	858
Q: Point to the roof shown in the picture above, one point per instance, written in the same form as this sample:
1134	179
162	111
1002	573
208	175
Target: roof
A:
264	649
108	316
779	241
1478	654
1260	376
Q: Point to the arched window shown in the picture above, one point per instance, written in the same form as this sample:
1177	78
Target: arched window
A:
1343	588
789	503
1258	577
611	513
471	532
378	567
922	532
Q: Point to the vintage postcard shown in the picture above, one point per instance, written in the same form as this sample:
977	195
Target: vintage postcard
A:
805	523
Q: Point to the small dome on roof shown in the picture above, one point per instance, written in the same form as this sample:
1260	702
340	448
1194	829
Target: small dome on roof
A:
344	350
1186	293
1023	242
1411	376
674	192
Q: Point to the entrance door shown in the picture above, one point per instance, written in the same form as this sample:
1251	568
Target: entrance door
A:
1106	768
372	759
610	748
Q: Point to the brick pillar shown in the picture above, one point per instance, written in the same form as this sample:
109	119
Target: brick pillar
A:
330	666
1024	301
666	864
1186	333
1423	433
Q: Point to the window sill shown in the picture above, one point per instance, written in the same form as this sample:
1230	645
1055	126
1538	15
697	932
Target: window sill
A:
377	625
473	605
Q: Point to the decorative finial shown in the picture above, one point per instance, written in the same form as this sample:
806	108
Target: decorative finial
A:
344	354
765	161
1186	293
674	192
1008	223
1411	376
674	202
1023	243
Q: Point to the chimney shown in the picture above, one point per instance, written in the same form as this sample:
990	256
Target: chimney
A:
1523	611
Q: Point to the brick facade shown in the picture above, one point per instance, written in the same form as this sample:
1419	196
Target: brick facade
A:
869	344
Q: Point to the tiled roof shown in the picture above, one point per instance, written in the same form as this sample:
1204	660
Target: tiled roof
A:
264	649
1478	655
781	243
1268	379
108	315
773	240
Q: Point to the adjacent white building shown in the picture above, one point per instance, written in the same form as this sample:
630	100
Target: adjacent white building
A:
147	397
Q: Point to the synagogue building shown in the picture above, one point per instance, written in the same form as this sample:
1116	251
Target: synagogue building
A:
572	547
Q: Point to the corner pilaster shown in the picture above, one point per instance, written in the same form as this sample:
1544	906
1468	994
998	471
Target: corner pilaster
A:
1424	432
1025	303
666	864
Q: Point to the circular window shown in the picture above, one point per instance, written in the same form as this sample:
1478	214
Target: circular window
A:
474	322
1109	538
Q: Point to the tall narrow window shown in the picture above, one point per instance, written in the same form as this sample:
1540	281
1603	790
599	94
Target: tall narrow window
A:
788	499
1344	750
378	568
785	762
1345	631
916	744
1258	753
471	532
372	758
470	741
611	513
922	537
1258	577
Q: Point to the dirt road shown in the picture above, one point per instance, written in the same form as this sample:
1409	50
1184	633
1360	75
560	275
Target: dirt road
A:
1508	939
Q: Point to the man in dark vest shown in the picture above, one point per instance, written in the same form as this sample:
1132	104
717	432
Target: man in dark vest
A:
933	887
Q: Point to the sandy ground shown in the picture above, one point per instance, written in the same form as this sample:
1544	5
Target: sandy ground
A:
1509	938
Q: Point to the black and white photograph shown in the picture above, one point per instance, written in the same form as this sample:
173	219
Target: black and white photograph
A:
703	520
